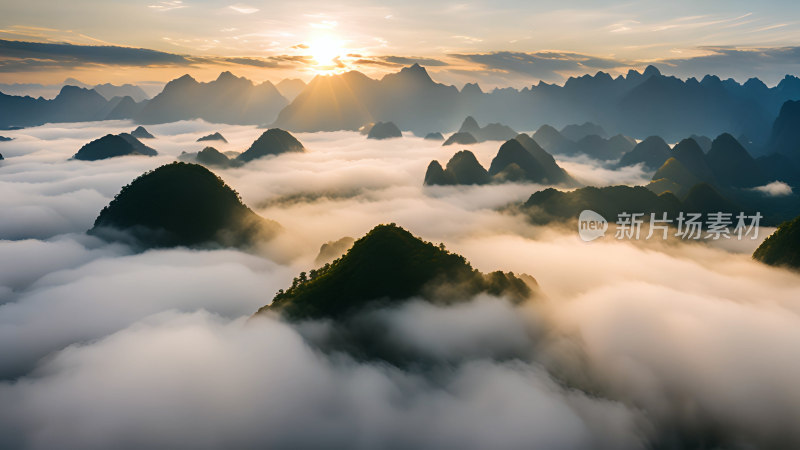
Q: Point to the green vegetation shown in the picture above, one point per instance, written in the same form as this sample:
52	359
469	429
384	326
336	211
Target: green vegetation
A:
182	204
782	248
389	265
554	205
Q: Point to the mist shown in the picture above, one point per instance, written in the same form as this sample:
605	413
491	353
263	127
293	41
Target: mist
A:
631	345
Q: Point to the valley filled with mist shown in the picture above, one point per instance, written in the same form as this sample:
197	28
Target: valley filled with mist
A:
466	314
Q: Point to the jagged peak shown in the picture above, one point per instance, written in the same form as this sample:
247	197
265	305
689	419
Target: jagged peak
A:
600	75
754	82
67	89
651	70
472	88
632	74
183	80
711	79
416	71
226	75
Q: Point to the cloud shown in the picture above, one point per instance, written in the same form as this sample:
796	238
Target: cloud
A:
394	62
243	9
409	60
20	56
260	384
770	63
70	54
168	5
267	63
546	65
775	189
633	345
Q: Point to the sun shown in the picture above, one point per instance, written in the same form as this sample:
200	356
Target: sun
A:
325	51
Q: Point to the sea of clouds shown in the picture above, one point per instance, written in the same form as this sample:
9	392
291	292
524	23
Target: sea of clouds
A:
631	345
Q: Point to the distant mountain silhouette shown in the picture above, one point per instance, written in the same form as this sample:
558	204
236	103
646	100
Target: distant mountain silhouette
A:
141	133
491	132
732	165
785	136
675	177
434	137
110	91
463	168
409	98
181	204
460	138
111	146
553	141
603	149
782	248
209	157
290	88
330	103
332	250
272	142
538	169
703	198
652	153
514	161
512	152
73	104
637	104
123	108
728	172
213	137
576	132
554	173
471	89
228	99
384	130
385	267
553	205
470	125
593	145
689	153
727	166
703	141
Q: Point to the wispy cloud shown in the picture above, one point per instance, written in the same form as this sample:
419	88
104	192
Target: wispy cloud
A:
547	65
167	5
243	9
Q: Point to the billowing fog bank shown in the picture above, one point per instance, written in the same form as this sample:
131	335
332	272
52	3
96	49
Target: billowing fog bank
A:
634	345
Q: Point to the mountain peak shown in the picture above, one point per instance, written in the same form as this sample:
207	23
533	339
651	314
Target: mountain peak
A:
72	90
184	80
650	71
182	204
389	264
470	125
226	75
471	88
417	72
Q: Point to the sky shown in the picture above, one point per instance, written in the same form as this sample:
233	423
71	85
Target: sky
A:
498	43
